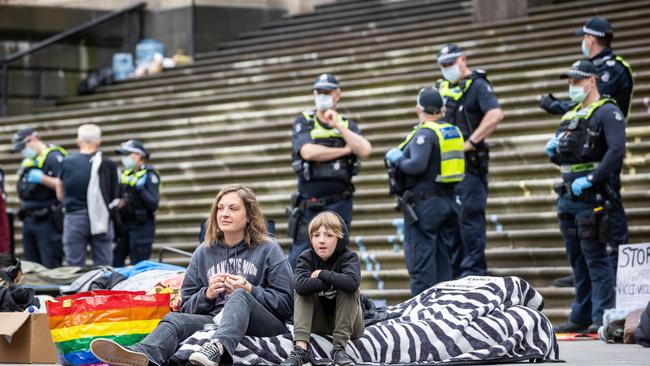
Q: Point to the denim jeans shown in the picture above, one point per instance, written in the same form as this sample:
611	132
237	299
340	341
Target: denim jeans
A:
242	315
76	237
593	274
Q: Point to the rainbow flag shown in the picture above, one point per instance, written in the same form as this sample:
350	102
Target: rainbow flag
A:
123	316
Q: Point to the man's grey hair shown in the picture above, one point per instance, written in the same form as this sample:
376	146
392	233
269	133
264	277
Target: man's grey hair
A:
89	133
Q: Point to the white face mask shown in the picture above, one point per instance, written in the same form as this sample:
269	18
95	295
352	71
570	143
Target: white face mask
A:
585	49
128	162
451	73
323	102
577	93
28	153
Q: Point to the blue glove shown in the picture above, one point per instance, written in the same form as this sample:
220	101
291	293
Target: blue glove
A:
551	145
141	182
394	155
580	185
34	176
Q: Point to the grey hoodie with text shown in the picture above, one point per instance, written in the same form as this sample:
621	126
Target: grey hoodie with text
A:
265	266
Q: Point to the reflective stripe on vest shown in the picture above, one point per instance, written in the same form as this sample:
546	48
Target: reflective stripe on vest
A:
39	161
455	92
319	132
128	175
585	113
452	155
578	168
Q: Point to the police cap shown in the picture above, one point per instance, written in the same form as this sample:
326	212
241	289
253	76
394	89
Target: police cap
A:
326	82
132	146
597	27
582	69
449	53
429	100
18	139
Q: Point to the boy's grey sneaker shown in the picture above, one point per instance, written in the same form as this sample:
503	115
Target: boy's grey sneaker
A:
110	352
208	355
340	358
298	357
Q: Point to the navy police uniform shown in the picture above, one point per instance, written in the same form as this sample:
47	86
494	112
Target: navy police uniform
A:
141	194
39	208
615	79
592	145
321	185
432	163
466	103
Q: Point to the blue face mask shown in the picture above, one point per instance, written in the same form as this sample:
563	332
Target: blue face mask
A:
577	93
451	73
323	102
128	162
28	153
585	49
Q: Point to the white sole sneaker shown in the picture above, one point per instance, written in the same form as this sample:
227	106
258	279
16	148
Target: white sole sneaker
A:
198	358
112	353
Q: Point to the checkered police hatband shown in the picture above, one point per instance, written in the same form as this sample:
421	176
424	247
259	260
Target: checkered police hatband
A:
575	73
593	32
325	84
442	59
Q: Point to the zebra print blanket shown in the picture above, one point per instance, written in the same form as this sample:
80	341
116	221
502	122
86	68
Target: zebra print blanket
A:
469	321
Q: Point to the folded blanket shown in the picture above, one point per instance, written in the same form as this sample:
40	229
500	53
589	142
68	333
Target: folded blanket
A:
474	320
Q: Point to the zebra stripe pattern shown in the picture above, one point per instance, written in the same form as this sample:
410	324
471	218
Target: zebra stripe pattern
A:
498	320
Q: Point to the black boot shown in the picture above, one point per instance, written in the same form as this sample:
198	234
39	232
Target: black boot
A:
340	358
564	281
298	357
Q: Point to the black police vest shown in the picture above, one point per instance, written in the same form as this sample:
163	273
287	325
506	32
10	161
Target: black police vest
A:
135	210
36	192
454	97
581	137
340	170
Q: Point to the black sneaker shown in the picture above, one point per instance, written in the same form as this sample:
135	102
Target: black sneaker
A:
564	281
298	357
110	352
570	327
593	328
208	355
340	358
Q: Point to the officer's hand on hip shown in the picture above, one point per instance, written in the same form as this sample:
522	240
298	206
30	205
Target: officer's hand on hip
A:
551	146
579	185
34	176
394	155
546	101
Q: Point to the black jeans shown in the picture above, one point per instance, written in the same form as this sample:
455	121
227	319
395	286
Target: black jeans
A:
242	315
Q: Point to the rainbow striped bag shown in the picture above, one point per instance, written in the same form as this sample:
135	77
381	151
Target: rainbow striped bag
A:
123	316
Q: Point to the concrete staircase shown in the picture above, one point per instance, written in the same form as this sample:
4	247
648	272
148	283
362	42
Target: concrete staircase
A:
227	118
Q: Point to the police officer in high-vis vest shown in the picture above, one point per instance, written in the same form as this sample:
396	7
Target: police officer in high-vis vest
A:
615	80
588	147
141	194
428	163
326	147
40	211
470	104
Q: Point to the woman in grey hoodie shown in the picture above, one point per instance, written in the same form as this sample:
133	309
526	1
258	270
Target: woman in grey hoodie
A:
237	271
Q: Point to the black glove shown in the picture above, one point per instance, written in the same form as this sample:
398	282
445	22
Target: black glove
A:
546	101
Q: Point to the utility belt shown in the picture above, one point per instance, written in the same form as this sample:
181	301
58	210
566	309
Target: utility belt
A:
597	193
477	161
54	213
299	204
137	216
342	169
406	202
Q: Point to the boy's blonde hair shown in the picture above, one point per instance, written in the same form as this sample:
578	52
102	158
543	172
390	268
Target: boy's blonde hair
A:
329	220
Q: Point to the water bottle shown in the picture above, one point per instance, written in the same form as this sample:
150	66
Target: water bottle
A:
31	309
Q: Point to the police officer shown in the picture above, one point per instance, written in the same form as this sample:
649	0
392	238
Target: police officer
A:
614	80
39	209
589	146
471	105
326	146
140	183
429	162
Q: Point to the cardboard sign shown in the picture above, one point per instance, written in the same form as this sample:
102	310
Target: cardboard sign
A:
633	276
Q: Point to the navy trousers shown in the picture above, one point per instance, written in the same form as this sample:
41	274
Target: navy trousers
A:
469	249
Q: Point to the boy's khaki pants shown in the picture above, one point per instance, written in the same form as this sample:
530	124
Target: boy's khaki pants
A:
346	322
